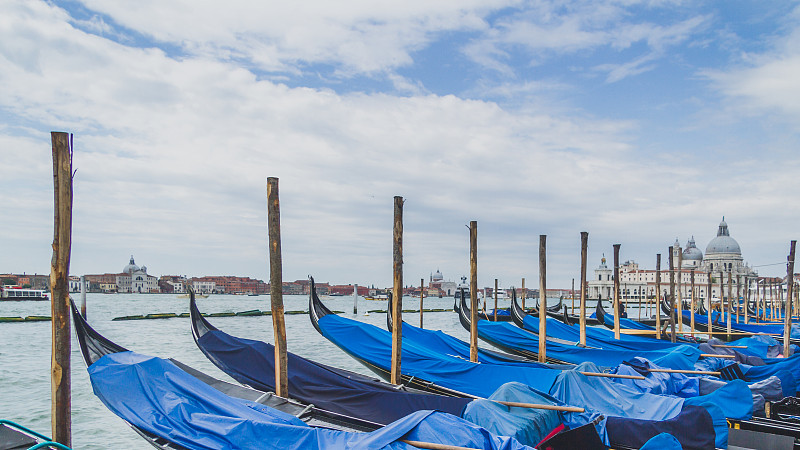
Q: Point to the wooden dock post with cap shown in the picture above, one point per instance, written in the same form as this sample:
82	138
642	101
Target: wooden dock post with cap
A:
397	290
276	288
473	290
657	300
787	320
616	291
584	249
60	367
542	298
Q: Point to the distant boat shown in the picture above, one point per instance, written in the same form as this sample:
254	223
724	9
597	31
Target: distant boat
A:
379	297
252	295
18	294
196	295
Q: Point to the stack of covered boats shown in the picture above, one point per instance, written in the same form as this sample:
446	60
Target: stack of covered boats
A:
619	393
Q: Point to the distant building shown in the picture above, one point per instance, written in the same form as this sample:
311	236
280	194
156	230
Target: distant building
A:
135	279
723	256
172	284
443	288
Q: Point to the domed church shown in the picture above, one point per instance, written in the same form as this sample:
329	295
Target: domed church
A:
722	254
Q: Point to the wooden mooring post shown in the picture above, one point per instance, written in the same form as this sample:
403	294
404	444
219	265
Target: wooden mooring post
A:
495	299
616	291
692	304
421	299
83	296
276	288
730	303
524	293
542	298
355	299
787	321
584	249
679	283
708	311
60	367
473	290
397	290
657	300
673	336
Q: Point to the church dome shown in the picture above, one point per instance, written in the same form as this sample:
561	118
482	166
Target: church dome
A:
723	243
437	276
131	267
692	253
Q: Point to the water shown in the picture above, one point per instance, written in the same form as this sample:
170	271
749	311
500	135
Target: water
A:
25	350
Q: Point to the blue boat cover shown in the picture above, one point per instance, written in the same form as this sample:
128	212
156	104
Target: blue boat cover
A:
372	345
444	344
646	414
663	441
662	383
156	396
597	395
599	337
504	334
252	363
527	425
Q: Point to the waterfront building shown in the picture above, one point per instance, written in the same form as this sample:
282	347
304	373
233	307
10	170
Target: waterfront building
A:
437	286
135	279
723	255
172	284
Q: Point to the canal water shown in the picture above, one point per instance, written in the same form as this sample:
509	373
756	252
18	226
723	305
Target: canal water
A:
25	349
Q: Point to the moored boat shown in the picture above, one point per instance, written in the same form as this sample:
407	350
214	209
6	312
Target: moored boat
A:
16	293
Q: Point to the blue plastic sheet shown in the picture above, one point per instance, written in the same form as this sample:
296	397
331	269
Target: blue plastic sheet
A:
156	396
504	334
373	345
662	383
253	363
527	425
663	441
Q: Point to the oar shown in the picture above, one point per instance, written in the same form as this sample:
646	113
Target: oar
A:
613	375
728	346
432	446
697	372
523	405
711	355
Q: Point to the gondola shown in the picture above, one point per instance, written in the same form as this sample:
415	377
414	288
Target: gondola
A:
482	379
601	314
266	420
94	346
645	321
14	436
503	315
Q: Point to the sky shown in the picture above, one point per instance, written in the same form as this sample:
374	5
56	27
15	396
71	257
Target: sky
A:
640	122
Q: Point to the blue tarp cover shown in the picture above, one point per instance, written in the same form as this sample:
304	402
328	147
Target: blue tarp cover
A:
663	441
252	363
155	395
373	345
507	335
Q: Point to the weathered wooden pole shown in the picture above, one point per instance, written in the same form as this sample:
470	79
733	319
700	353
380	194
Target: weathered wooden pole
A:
83	296
276	288
708	311
473	290
657	305
542	298
787	321
730	303
680	290
524	294
745	296
60	367
495	299
692	306
397	290
616	291
584	249
572	292
355	299
672	293
421	299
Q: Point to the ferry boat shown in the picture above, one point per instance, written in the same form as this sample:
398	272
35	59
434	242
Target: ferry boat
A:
19	293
